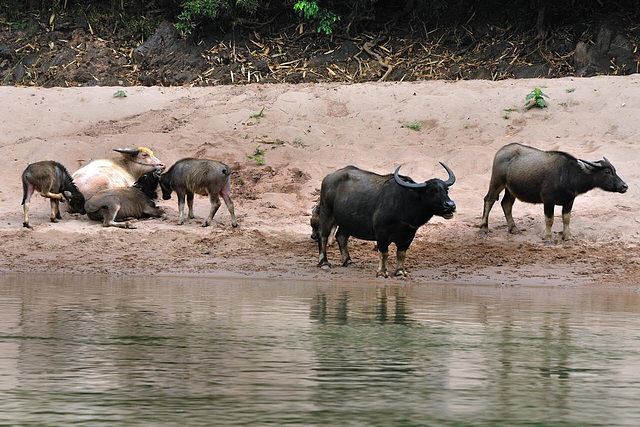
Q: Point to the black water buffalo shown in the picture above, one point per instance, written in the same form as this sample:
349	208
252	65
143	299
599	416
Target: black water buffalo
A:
548	177
385	208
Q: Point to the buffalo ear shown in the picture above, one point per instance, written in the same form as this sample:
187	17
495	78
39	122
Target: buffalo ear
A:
587	166
130	151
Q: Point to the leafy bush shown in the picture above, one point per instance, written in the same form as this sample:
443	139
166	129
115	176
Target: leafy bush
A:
195	11
311	11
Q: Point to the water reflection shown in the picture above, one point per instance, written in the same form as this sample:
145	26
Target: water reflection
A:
205	351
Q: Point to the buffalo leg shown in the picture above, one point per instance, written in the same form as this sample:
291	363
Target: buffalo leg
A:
49	195
401	256
507	206
190	205
382	264
383	254
26	200
180	207
324	230
548	221
109	217
53	215
226	196
58	210
343	240
25	219
489	200
215	205
566	218
154	212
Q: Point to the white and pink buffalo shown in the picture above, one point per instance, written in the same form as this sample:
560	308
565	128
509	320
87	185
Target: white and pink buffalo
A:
122	171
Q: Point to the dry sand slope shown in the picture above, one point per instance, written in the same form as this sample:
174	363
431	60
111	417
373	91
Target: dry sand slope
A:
308	131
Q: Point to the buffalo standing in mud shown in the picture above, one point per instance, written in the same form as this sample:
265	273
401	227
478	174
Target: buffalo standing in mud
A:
191	176
138	201
385	208
549	177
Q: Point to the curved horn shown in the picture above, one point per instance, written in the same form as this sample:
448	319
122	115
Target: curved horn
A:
606	160
133	151
593	165
405	183
452	178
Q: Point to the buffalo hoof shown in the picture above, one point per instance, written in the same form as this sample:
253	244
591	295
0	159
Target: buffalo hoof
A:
384	274
53	219
234	225
401	273
27	225
206	224
58	216
484	231
131	227
348	262
566	237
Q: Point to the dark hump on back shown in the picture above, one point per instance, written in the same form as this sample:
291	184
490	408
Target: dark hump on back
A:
564	156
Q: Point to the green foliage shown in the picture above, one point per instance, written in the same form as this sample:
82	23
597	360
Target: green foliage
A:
505	116
257	157
536	99
311	11
120	94
194	12
417	126
571	90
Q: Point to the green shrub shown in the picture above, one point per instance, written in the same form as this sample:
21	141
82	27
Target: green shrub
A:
194	12
311	11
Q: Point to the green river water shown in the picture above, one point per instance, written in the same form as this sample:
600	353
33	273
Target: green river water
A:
204	351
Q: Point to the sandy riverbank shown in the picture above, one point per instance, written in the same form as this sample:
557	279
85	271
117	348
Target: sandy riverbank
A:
308	131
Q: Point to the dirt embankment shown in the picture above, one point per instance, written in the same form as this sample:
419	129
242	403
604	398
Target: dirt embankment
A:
69	52
307	131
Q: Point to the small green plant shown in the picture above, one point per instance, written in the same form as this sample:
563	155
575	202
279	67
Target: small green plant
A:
310	11
505	116
417	126
258	115
509	110
120	94
536	99
257	157
571	90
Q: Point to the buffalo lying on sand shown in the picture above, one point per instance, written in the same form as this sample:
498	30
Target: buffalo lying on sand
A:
385	208
117	172
549	177
138	201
